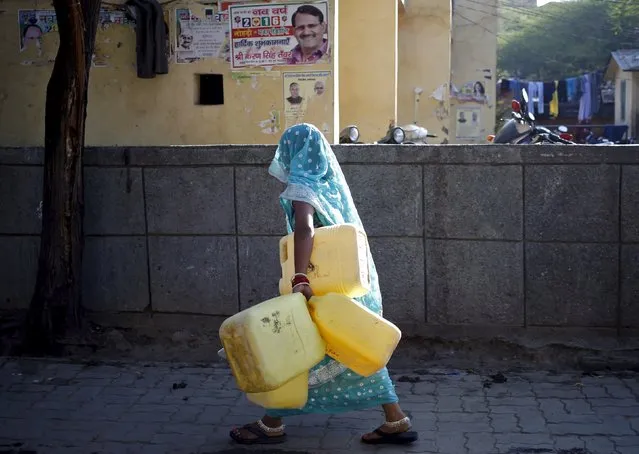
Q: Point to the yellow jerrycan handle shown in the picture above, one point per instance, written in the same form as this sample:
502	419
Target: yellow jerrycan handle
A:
283	250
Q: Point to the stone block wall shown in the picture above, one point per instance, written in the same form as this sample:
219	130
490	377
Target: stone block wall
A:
531	236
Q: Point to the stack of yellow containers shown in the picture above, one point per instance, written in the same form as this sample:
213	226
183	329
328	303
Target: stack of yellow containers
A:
271	346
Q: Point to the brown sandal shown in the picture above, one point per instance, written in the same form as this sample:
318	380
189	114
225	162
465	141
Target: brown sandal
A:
261	437
396	438
393	438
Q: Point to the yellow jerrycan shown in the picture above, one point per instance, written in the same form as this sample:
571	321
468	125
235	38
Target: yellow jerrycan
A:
271	343
339	261
355	336
293	395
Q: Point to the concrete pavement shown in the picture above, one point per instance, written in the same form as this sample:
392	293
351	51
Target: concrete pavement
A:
49	406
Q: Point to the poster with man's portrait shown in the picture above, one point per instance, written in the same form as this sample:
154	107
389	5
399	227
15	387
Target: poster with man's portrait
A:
279	34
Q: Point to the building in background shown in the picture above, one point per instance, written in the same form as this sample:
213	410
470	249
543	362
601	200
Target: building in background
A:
623	69
403	61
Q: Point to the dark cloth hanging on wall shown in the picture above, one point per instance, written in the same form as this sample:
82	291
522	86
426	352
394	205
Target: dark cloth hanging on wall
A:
161	59
151	37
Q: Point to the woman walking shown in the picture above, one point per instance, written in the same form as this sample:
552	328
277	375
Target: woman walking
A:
317	195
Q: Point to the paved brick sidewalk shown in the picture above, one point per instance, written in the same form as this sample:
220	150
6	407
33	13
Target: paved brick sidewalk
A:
56	407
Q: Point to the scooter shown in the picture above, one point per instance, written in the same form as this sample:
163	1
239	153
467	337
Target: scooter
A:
410	134
395	135
521	128
405	135
350	134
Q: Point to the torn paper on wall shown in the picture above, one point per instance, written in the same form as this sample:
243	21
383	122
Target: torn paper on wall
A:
253	76
439	95
272	124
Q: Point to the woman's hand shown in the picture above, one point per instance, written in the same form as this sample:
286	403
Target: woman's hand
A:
304	290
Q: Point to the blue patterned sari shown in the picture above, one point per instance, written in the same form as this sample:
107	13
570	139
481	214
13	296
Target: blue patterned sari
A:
305	162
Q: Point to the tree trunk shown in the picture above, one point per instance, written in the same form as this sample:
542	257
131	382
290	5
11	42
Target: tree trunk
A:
56	304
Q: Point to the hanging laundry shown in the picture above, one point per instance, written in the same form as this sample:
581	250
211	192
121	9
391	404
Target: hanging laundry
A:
585	102
554	103
580	88
562	91
541	97
515	86
571	89
596	79
584	89
532	95
548	89
536	96
504	86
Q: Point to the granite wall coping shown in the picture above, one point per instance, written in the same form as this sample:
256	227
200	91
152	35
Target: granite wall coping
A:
238	155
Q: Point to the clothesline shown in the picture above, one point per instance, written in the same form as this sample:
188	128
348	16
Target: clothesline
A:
584	88
601	70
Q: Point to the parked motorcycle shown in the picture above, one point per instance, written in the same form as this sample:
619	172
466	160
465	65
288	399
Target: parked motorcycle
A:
396	135
405	135
562	132
521	128
350	134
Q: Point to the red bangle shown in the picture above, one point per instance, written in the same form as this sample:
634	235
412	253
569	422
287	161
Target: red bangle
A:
299	279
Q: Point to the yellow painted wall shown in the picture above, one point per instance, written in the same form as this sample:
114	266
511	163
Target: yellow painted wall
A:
126	110
424	63
474	59
367	65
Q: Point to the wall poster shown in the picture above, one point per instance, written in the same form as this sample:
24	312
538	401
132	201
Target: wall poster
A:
305	98
223	6
199	38
468	122
473	91
35	24
279	34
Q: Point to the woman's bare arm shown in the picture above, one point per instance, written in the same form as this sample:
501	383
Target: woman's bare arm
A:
303	235
303	240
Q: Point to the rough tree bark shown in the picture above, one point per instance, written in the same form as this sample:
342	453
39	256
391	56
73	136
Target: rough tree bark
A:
55	306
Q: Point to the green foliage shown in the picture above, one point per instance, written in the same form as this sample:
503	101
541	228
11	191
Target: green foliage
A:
564	39
624	15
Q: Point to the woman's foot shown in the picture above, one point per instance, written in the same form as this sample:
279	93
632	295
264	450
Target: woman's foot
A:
393	432
264	431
